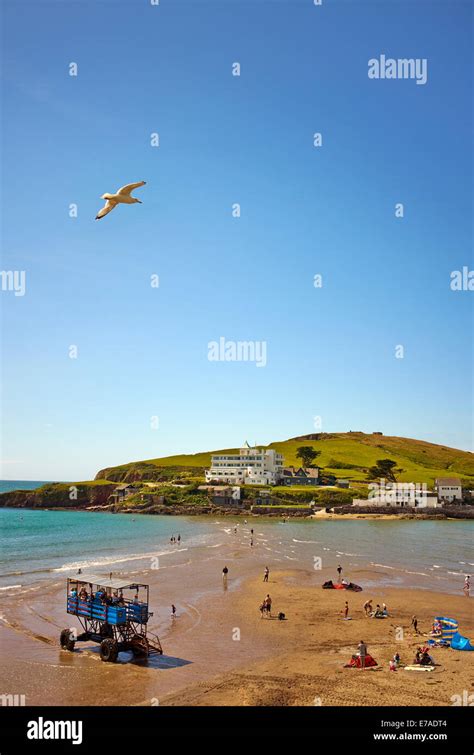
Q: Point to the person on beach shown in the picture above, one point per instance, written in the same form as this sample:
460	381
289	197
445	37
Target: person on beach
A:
173	611
346	610
467	586
384	609
339	572
414	624
368	607
225	572
268	605
362	649
262	609
266	573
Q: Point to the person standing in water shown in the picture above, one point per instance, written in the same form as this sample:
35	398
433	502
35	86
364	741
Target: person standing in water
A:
467	586
173	611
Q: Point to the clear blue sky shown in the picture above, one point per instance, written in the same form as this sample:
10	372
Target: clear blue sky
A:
225	139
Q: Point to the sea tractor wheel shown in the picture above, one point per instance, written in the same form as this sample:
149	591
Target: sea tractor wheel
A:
66	640
108	650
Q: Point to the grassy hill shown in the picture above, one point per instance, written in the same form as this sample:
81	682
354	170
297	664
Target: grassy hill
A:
346	455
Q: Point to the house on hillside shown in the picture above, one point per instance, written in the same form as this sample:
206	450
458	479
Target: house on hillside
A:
123	491
448	489
223	495
301	476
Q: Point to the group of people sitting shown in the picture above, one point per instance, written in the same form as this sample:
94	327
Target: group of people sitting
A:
101	596
423	657
379	613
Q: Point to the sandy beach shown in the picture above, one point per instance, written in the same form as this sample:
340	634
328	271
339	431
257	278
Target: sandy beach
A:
219	651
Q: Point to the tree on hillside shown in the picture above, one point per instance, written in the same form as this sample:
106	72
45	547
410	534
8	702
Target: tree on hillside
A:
307	454
385	468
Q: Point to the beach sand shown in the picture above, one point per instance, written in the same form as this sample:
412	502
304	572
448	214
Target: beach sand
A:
219	651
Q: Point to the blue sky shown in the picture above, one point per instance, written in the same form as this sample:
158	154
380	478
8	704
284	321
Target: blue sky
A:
142	351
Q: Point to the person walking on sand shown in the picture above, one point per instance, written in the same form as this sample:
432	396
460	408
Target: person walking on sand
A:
362	648
339	572
414	624
467	586
368	607
346	610
267	572
173	611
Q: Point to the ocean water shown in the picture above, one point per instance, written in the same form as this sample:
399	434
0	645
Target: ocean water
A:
6	486
46	544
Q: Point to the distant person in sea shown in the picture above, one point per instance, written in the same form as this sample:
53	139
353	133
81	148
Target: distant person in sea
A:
79	571
339	572
362	650
110	576
173	611
266	573
225	572
251	532
467	586
368	607
251	542
179	539
414	624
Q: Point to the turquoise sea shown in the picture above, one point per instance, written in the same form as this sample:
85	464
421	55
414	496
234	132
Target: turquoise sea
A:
44	544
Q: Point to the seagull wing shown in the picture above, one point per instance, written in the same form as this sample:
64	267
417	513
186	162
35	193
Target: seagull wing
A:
130	187
108	207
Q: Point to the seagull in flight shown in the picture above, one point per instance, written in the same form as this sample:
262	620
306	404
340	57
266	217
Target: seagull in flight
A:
122	196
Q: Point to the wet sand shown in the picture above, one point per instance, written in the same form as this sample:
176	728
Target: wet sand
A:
219	651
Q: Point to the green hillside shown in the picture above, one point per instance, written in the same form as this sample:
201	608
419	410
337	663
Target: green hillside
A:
346	455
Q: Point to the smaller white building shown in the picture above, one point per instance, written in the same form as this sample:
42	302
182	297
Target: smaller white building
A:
250	466
449	489
399	495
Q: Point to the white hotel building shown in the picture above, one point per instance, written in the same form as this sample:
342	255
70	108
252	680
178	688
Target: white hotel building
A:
251	466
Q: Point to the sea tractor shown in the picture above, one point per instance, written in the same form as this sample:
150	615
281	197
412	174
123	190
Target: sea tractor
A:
112	613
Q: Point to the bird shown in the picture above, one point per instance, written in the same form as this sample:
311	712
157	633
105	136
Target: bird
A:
122	196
